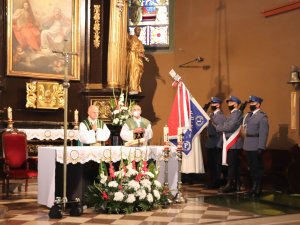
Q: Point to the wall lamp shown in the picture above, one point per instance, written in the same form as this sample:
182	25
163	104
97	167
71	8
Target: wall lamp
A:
294	76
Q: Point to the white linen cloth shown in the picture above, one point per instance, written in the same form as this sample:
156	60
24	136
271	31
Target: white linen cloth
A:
47	157
49	134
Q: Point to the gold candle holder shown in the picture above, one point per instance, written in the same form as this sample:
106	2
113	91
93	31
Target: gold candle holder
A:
10	124
76	125
166	156
179	197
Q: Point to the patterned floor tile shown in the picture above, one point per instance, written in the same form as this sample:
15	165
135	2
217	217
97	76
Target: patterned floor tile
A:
22	209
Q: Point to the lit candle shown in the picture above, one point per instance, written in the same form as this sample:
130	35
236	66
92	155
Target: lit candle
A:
179	134
76	115
166	133
9	113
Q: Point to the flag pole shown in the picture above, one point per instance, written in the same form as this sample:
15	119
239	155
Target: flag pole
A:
178	197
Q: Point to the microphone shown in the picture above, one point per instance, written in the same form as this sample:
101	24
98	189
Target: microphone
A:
199	59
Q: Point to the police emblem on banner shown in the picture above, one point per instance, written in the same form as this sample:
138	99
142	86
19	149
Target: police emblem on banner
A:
187	141
199	121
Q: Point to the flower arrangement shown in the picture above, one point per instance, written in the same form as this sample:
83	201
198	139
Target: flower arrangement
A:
120	109
133	188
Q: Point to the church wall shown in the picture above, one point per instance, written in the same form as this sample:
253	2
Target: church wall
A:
248	54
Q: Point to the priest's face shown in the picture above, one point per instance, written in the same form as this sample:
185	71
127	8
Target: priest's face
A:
136	111
93	112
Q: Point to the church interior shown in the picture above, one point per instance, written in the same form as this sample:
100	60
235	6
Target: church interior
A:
218	48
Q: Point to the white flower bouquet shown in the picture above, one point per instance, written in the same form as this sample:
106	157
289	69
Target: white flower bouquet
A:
120	109
133	188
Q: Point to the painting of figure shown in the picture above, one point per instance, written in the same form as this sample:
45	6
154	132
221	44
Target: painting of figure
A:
38	32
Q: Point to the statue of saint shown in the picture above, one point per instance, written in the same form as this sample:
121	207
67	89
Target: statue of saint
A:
135	65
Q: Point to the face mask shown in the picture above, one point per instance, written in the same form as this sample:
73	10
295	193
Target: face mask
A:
230	107
252	107
213	107
136	113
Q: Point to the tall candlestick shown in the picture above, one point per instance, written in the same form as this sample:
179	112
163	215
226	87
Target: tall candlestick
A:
76	115
166	133
9	113
179	134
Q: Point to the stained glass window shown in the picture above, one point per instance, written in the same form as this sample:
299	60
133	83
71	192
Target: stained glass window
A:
153	18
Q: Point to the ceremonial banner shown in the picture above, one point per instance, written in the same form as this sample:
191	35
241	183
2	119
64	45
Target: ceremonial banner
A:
179	116
198	121
188	114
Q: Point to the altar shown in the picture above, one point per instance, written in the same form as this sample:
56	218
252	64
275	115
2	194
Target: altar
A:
49	134
81	159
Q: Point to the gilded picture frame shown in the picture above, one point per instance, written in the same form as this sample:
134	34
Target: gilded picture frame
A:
103	104
38	32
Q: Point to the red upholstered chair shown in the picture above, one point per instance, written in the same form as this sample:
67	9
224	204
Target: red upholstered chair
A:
15	156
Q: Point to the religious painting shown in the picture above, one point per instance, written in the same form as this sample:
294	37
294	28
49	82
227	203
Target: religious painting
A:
39	34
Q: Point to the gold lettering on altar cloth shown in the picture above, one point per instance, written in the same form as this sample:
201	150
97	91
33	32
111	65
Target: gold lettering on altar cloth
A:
44	95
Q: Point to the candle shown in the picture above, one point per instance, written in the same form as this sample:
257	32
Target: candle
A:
76	115
9	113
179	134
166	133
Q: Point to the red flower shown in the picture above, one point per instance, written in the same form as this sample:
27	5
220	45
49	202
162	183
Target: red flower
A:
111	171
133	164
120	187
145	169
138	177
104	195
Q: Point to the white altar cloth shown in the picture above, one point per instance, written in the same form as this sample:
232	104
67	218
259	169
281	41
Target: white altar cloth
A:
49	134
48	156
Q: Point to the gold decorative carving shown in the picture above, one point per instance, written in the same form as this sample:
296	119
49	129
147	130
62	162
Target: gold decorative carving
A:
97	26
44	95
103	104
120	5
31	95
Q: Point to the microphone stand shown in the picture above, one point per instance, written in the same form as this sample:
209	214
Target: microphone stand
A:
198	59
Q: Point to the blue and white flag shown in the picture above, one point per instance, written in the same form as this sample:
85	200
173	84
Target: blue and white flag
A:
198	121
187	114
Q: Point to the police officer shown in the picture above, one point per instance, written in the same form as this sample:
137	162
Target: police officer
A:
256	129
214	141
232	124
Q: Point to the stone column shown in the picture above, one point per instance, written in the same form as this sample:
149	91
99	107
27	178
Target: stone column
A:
116	63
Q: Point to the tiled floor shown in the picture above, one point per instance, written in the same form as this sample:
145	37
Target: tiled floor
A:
22	208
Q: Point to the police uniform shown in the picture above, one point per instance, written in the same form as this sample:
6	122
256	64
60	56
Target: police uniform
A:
256	129
232	122
213	152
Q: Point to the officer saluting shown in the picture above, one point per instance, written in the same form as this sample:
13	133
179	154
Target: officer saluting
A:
214	143
233	143
256	129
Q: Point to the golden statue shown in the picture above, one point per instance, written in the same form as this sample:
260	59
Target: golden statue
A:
135	65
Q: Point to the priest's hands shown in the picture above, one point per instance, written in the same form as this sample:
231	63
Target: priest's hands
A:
139	130
95	127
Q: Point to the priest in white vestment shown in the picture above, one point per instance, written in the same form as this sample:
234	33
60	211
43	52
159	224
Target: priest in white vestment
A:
136	127
93	131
